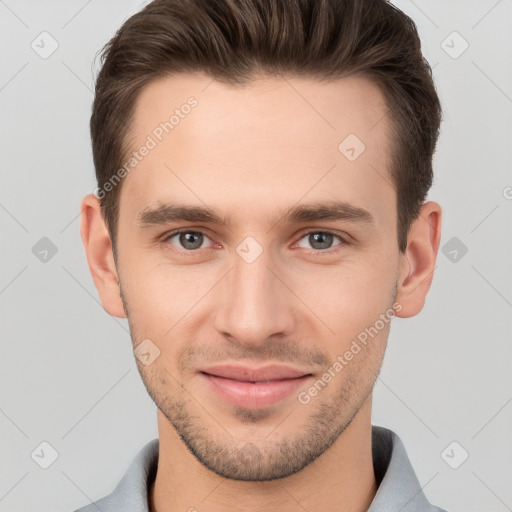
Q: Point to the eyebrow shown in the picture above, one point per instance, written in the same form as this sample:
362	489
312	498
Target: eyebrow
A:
328	211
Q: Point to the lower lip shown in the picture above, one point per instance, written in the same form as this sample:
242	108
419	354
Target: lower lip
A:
251	395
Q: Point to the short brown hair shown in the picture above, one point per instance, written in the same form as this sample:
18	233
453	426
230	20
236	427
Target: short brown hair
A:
235	40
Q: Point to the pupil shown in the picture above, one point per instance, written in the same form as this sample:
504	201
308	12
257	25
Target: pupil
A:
322	240
187	240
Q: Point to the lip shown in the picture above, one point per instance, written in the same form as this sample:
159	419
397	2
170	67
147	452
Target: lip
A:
254	388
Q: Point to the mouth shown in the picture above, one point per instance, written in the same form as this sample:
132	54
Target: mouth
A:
254	388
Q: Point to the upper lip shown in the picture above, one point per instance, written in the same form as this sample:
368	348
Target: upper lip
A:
246	374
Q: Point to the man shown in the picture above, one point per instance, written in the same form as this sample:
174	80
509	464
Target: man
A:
260	219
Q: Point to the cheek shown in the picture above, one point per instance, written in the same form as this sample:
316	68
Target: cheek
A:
349	297
162	297
346	296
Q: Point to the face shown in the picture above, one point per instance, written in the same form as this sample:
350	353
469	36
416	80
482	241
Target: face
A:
257	250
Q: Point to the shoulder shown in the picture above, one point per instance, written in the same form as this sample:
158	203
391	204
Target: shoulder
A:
399	488
131	493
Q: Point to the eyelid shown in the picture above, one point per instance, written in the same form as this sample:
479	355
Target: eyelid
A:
343	239
167	236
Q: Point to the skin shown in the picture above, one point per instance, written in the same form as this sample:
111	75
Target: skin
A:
251	153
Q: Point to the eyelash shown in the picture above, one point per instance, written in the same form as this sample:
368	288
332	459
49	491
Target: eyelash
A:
316	252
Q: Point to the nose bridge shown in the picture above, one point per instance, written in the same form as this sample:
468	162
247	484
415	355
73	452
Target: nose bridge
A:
255	304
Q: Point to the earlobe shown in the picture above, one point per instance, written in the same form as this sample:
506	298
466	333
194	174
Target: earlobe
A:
98	248
419	260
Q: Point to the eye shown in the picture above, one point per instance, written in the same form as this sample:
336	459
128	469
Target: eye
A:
320	240
190	241
187	240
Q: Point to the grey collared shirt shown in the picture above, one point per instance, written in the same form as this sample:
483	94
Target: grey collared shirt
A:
399	489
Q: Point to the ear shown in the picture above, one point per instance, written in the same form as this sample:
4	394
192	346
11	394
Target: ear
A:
418	262
98	248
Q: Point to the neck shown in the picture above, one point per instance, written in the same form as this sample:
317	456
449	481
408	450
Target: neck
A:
341	478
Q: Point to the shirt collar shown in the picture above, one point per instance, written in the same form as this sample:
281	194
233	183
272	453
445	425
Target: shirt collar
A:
399	489
398	486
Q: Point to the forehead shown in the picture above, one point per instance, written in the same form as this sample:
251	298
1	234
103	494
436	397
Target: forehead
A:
264	145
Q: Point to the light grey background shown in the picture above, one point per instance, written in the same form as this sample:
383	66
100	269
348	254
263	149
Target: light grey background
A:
68	376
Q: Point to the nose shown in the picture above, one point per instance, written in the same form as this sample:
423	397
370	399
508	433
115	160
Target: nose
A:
254	303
